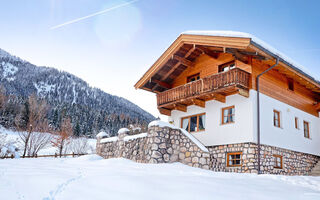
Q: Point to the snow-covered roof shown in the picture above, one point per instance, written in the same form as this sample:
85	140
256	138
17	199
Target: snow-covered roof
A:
186	133
263	46
123	130
102	134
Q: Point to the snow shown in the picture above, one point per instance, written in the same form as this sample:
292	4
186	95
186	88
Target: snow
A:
91	177
9	70
186	133
123	130
259	42
133	137
110	139
43	87
50	150
74	95
102	134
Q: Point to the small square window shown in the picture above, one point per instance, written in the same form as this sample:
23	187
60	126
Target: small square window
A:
234	159
277	161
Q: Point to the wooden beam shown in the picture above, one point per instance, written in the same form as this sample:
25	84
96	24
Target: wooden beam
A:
162	83
244	92
237	55
164	111
173	68
208	52
219	97
317	106
199	102
180	107
190	51
183	61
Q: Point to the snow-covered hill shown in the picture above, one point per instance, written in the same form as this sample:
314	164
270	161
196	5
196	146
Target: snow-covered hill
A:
90	177
90	108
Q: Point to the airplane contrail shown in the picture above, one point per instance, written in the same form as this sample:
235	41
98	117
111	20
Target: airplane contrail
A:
92	15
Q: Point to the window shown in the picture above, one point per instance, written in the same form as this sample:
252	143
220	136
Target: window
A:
296	122
226	66
290	84
306	129
277	161
193	78
276	118
194	123
234	159
228	115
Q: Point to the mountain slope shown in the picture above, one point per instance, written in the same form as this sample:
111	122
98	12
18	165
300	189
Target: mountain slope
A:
90	109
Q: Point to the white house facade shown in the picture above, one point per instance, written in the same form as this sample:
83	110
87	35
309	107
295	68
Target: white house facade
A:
243	129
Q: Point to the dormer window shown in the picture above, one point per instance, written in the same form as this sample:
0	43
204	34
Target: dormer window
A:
227	66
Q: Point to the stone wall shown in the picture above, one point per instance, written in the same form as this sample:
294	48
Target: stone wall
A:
293	163
167	145
161	145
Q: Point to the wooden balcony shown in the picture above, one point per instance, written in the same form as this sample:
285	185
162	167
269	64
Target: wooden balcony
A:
216	86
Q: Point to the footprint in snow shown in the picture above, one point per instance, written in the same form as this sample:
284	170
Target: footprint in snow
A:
61	187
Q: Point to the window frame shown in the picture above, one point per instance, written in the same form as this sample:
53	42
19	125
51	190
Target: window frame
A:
274	118
222	115
275	165
227	64
192	76
189	117
304	129
234	153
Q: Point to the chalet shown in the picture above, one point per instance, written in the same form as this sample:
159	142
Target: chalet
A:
231	90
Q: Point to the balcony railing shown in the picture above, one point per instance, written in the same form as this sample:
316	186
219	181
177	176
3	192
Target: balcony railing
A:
235	77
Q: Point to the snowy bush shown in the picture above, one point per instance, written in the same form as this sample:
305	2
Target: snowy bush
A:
79	145
7	147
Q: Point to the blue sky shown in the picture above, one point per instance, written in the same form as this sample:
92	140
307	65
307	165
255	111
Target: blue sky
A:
113	50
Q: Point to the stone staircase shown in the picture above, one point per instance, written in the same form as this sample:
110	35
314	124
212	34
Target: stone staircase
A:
316	170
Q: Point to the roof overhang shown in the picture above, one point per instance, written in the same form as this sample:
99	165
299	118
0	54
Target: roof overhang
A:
234	41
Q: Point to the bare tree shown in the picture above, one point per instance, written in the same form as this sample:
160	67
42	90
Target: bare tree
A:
36	136
62	139
79	145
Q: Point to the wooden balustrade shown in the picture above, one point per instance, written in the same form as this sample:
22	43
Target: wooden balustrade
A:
236	77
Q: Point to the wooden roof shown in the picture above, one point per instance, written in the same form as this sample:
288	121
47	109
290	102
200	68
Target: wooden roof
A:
183	52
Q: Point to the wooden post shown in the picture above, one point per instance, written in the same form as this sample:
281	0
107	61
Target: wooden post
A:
55	155
12	156
73	154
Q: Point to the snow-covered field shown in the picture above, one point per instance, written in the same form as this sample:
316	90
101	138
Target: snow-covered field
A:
49	150
91	177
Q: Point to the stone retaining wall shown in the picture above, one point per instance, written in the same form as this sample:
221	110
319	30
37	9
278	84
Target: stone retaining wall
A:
167	145
161	145
293	163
